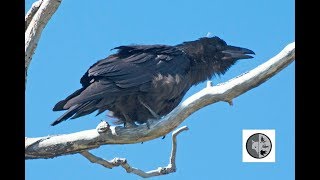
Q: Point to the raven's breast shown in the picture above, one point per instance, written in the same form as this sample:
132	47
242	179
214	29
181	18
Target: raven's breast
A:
165	93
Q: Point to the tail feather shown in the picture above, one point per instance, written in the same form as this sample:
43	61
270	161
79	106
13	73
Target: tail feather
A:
60	105
85	109
81	108
71	111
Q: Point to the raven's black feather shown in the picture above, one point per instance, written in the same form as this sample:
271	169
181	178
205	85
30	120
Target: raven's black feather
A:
141	81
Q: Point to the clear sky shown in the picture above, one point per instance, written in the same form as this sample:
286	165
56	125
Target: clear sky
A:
82	32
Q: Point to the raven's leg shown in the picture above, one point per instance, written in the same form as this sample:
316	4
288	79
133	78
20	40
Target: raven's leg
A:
150	110
128	123
148	124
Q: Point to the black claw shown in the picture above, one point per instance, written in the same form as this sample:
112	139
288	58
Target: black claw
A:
163	137
130	124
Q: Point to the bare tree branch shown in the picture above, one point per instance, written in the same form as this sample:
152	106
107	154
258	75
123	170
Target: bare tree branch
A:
171	167
53	146
34	8
35	21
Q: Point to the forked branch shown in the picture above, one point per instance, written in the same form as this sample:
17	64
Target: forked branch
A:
171	167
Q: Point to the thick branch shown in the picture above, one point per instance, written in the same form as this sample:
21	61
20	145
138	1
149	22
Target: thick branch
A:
171	167
52	146
35	21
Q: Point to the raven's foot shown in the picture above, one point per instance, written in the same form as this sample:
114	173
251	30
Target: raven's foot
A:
151	121
130	124
148	124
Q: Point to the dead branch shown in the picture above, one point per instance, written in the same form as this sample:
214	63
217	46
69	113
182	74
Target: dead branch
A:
35	21
170	168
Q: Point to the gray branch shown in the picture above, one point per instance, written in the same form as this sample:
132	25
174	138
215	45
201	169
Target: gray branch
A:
58	145
170	168
34	8
35	21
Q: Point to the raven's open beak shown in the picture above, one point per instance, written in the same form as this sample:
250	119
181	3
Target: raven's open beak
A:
233	52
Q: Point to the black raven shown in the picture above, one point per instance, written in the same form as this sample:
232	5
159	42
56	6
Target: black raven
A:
142	82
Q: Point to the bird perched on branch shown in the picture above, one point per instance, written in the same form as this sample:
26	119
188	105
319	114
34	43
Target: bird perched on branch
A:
142	82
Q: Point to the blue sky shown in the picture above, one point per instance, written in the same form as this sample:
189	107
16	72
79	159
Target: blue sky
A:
82	32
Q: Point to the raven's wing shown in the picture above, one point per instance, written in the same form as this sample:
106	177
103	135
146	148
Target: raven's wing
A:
135	65
129	71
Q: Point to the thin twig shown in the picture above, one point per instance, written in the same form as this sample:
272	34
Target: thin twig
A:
170	168
95	159
174	146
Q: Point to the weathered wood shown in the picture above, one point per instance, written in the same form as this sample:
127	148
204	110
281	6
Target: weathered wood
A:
35	21
170	168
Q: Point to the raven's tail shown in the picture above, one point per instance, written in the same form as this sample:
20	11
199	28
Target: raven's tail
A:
60	106
71	111
78	110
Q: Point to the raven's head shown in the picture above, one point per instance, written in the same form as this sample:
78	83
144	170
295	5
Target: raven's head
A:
212	56
215	47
